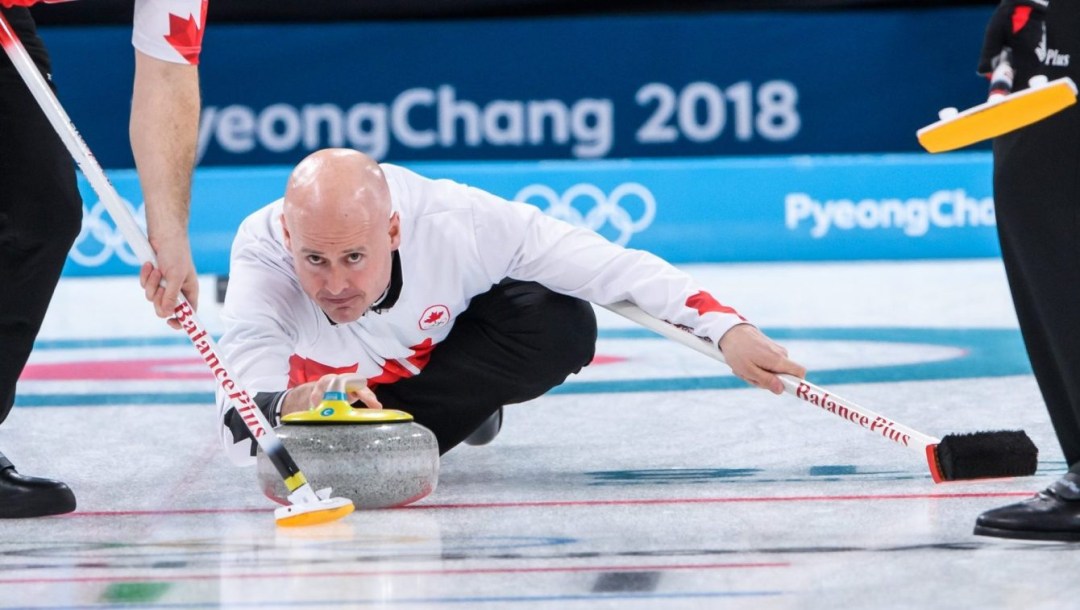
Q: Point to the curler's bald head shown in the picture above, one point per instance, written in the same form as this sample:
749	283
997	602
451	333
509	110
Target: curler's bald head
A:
338	183
339	227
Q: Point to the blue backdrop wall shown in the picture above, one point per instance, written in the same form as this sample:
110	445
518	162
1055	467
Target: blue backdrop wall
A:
751	136
550	88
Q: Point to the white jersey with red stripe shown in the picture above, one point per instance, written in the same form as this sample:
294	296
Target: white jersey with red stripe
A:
170	30
456	243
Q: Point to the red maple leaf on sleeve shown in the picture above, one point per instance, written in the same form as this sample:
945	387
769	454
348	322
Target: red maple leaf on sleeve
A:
185	35
704	302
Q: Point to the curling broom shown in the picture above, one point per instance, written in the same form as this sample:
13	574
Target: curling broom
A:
955	457
307	507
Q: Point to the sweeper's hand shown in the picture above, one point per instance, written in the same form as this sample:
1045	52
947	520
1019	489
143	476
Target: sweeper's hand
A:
174	274
176	265
757	359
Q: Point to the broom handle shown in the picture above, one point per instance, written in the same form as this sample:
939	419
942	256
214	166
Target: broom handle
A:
800	388
238	397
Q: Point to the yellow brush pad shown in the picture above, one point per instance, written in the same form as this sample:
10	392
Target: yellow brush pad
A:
992	119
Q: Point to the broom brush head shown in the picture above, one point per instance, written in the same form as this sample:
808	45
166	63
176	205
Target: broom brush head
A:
983	455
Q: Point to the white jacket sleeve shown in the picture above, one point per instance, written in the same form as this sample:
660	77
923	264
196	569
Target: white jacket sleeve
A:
523	243
169	30
261	317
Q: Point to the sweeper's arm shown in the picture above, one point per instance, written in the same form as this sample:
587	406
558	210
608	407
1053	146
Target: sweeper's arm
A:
167	36
164	126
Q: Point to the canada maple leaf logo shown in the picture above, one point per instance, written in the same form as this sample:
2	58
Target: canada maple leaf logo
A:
434	317
185	34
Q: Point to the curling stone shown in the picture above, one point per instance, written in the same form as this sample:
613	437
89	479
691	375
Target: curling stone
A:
378	458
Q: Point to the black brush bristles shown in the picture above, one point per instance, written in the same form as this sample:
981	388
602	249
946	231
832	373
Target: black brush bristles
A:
982	455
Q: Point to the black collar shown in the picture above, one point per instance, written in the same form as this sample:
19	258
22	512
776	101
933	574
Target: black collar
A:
394	290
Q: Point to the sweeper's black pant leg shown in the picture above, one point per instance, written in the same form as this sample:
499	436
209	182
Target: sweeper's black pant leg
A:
514	343
40	213
1037	198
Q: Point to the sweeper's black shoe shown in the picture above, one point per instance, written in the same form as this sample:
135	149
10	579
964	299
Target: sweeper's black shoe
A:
22	496
1053	514
487	430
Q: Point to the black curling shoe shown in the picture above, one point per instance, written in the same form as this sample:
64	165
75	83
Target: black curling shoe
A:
487	430
1053	514
22	496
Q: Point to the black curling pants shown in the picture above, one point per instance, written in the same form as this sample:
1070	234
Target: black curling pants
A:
40	211
513	343
1037	198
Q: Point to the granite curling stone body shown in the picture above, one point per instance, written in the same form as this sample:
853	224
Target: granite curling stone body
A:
378	458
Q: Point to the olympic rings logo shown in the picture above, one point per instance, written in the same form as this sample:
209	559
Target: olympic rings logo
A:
99	238
603	209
